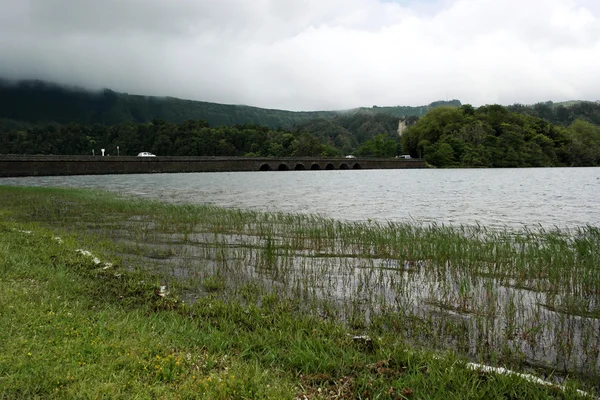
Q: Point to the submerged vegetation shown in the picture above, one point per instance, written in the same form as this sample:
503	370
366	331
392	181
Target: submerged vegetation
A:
187	301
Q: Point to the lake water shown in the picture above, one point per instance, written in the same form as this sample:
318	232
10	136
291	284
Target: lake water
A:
548	197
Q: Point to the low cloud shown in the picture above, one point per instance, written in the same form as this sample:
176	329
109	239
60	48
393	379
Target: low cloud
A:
314	54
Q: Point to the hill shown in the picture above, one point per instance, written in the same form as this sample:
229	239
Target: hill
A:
38	102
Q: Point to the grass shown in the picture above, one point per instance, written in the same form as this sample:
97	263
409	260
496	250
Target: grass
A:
267	305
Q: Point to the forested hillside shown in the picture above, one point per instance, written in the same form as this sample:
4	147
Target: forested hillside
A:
494	136
562	113
40	102
36	102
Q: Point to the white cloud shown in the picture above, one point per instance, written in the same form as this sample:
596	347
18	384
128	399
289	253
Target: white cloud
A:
312	54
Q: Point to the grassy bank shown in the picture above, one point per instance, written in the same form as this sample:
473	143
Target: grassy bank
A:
199	302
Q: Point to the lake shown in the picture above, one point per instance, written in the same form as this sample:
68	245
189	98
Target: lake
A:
515	198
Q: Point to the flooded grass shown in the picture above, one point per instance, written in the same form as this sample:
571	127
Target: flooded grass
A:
526	300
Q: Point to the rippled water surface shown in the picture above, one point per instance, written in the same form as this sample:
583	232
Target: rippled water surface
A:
561	197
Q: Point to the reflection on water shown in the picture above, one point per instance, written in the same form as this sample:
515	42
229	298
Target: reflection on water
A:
550	197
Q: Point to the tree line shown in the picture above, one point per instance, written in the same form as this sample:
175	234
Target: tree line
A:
489	136
190	138
494	136
562	113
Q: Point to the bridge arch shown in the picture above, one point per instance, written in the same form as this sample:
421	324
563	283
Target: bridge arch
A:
356	166
265	167
343	166
283	167
315	167
299	167
329	166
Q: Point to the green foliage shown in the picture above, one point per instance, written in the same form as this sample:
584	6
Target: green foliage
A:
354	133
562	113
380	146
441	154
190	138
322	137
493	136
584	146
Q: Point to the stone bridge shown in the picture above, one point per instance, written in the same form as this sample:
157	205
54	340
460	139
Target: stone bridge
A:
17	165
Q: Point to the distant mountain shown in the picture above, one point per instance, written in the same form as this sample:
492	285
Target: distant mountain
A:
38	102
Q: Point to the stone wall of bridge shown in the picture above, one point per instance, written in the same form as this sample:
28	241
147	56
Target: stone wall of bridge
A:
13	165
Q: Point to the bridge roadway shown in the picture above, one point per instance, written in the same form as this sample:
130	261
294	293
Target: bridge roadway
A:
24	165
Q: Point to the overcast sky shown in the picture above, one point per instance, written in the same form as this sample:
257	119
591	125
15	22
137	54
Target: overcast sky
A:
310	54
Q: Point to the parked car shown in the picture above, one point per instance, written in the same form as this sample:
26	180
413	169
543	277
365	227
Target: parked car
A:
145	154
350	156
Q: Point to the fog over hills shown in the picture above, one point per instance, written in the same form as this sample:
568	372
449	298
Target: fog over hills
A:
312	54
35	101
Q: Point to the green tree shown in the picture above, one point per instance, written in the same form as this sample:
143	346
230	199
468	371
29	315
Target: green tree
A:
380	146
162	146
441	155
584	146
